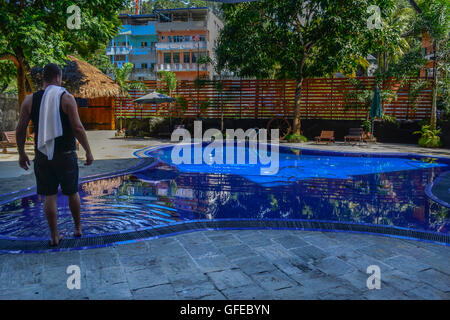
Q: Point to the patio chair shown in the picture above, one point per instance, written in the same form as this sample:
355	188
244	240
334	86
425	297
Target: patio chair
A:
327	136
9	140
355	134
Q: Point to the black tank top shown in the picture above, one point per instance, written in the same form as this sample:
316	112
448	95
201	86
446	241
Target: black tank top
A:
62	144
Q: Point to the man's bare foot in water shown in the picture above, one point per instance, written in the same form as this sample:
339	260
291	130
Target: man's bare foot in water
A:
55	241
77	232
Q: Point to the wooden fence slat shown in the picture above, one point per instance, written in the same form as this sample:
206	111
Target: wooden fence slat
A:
264	99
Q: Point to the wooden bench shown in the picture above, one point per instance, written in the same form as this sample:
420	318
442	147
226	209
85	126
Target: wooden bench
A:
9	140
355	134
327	136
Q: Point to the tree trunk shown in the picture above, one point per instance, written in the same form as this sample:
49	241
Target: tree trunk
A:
21	87
434	86
297	113
22	75
120	116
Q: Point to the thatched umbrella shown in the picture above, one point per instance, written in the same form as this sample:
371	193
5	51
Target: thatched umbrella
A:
82	80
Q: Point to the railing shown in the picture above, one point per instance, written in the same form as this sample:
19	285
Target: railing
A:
142	70
181	25
181	67
321	98
142	50
118	50
188	45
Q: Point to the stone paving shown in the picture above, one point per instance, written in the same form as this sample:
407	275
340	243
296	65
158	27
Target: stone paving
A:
236	264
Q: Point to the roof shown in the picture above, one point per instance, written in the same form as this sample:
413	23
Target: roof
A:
136	15
175	9
82	80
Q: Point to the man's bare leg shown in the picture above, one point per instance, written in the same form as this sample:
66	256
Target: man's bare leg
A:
51	213
75	209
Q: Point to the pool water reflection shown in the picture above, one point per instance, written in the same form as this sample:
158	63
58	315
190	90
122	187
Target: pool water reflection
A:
381	190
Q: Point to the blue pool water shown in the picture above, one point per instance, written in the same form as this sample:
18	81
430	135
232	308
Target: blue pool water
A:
315	185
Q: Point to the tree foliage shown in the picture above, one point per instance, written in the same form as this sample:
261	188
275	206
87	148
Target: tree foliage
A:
36	32
297	39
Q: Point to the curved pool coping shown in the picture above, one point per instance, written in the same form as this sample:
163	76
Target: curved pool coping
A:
34	245
429	190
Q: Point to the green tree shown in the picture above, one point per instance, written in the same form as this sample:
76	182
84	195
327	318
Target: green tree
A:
297	39
218	69
36	32
433	17
101	61
170	79
122	76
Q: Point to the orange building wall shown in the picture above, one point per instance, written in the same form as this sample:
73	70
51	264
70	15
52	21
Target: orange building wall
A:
427	44
183	75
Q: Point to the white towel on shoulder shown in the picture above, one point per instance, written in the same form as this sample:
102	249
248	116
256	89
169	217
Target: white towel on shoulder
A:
50	126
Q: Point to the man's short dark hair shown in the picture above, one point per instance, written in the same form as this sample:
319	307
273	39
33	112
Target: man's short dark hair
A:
51	71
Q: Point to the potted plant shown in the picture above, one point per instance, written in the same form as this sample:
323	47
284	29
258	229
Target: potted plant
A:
429	137
367	127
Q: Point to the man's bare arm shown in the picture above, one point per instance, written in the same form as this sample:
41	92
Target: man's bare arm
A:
70	107
21	131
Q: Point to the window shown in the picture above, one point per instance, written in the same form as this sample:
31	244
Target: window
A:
186	58
202	38
177	38
144	65
120	57
144	44
170	38
176	57
167	57
187	38
194	57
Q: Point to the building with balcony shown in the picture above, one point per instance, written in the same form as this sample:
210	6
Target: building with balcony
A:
185	34
169	39
135	43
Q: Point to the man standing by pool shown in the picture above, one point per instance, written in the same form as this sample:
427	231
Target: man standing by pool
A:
56	123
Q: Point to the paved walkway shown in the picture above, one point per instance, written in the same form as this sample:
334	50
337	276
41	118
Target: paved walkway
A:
236	264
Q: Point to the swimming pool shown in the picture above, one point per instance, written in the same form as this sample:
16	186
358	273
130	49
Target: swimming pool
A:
313	190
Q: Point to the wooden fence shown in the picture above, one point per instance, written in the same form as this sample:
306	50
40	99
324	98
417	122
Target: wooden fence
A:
321	98
97	113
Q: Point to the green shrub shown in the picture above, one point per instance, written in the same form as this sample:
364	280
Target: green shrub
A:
429	138
366	125
295	138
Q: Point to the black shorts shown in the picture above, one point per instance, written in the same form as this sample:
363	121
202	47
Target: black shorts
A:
61	170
